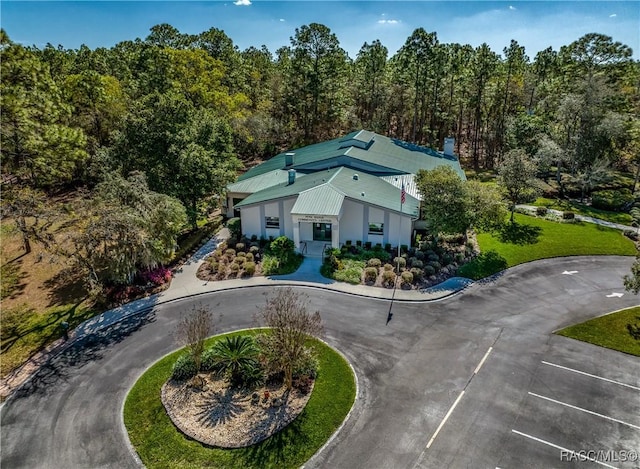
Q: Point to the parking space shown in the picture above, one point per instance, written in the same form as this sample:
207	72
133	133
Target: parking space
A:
562	405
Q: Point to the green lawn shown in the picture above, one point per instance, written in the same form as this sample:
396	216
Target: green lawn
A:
535	238
25	330
615	331
160	445
582	209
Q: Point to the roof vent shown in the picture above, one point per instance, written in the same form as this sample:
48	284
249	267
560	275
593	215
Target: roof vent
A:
292	176
355	177
289	158
449	143
362	194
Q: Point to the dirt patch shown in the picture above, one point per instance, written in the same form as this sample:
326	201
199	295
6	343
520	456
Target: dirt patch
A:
223	416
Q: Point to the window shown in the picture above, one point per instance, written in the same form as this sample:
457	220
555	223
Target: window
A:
376	228
272	222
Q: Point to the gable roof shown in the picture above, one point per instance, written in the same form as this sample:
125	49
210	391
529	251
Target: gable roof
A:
361	150
323	193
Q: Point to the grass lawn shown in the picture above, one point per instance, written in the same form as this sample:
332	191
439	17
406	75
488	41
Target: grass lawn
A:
160	445
26	330
535	238
611	331
582	209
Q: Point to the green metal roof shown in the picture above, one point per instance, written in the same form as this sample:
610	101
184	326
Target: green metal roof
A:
321	200
323	192
361	150
260	182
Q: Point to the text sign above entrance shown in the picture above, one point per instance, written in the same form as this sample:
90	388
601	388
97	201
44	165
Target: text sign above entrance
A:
315	218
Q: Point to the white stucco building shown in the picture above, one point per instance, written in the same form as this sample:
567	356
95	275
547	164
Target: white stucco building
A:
347	189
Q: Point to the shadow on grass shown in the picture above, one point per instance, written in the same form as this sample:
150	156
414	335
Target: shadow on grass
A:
516	233
81	352
66	286
276	450
487	264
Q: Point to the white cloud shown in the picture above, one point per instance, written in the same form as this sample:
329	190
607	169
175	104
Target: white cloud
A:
282	20
511	7
613	15
243	3
388	21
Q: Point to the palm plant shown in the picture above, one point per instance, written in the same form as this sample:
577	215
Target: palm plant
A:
237	357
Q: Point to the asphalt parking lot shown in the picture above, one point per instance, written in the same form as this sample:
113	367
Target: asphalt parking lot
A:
573	405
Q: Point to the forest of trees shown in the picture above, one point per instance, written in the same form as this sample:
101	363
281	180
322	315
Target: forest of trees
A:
184	113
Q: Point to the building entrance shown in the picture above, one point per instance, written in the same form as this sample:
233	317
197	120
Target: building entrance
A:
322	231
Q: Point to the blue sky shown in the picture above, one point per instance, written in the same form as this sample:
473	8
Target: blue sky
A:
534	24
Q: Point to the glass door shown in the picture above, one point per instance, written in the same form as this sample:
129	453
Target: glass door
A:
322	231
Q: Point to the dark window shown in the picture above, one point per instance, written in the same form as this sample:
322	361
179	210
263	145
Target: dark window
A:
272	222
376	228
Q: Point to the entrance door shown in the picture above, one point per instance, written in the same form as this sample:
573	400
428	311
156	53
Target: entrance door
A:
322	231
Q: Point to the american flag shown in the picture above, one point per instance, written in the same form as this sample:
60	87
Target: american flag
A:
403	195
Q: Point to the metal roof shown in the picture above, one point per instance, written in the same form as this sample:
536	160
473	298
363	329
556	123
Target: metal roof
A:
260	182
321	200
332	184
362	150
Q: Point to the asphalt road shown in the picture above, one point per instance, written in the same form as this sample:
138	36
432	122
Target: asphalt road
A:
521	394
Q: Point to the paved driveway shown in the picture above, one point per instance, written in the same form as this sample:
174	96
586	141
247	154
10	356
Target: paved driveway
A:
485	350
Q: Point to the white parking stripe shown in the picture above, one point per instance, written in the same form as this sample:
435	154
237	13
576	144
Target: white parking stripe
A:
573	453
592	376
475	372
585	410
444	420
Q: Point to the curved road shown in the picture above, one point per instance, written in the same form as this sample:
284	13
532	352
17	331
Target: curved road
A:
410	372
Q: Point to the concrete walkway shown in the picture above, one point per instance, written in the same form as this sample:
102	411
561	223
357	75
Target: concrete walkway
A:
597	221
186	284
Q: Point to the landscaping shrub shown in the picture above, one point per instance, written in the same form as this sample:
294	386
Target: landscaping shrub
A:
254	238
404	248
388	267
447	259
407	278
541	211
568	215
367	245
370	274
429	270
418	264
631	234
459	258
270	265
184	368
234	266
234	227
374	262
388	278
613	200
307	365
240	247
158	276
348	242
436	265
241	254
213	265
359	243
230	253
418	274
401	262
239	260
249	257
283	248
420	255
350	271
254	249
387	247
432	256
249	268
208	360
